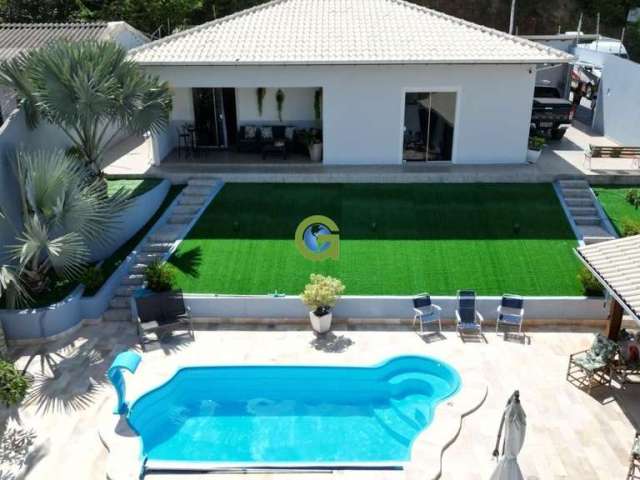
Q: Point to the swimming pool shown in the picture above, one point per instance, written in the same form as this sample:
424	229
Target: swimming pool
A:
270	415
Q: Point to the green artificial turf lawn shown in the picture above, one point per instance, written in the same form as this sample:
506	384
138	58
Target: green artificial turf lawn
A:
394	239
612	199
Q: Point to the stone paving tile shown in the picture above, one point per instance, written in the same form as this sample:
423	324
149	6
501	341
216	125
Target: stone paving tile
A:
571	435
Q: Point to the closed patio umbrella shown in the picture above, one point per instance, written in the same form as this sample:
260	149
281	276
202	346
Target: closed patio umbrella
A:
514	424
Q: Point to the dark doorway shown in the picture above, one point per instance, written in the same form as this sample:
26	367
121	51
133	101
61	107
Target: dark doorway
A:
230	116
204	115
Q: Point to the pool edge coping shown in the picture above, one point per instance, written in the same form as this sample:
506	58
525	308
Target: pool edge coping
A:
123	443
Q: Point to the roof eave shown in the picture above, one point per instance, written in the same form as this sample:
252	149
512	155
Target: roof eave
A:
181	63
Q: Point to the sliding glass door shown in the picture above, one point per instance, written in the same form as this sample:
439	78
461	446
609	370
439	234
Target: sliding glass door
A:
429	121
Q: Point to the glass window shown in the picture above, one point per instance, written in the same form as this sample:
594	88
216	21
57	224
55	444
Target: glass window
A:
429	120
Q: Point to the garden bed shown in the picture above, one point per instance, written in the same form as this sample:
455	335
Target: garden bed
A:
397	239
618	209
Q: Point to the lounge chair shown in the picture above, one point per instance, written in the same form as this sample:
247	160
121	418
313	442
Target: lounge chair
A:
161	314
468	319
510	313
593	366
426	312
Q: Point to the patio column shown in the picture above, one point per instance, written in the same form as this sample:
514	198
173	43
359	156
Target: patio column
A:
614	320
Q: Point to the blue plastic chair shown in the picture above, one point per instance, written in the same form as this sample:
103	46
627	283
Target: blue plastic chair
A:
468	318
426	312
510	312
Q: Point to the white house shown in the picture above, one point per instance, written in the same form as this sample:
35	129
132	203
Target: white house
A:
398	82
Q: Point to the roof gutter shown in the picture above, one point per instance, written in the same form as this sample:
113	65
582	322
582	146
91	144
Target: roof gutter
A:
352	63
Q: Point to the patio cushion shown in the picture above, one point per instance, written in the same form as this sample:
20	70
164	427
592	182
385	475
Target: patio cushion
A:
250	132
589	362
630	351
266	133
289	132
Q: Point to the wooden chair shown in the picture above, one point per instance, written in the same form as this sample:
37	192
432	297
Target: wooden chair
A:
592	367
160	314
597	151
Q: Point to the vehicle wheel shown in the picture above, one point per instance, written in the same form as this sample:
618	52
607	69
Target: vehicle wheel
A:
558	134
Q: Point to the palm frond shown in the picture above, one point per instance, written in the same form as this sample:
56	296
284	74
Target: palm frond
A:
11	288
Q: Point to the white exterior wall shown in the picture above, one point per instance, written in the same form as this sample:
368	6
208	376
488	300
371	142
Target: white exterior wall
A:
618	101
363	106
297	108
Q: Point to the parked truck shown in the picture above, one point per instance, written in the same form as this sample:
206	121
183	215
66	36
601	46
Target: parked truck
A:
552	114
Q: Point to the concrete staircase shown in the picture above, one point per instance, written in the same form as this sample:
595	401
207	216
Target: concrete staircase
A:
580	202
157	245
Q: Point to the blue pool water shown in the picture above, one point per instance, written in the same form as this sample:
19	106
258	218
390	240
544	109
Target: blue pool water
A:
274	414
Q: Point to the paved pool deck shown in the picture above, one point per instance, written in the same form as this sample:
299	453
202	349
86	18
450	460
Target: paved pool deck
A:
571	435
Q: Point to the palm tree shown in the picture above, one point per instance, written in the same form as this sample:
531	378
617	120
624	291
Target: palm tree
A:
64	211
91	91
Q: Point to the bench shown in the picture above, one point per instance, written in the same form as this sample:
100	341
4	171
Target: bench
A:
597	151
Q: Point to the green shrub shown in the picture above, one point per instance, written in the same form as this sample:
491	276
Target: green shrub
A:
536	142
633	197
590	285
159	276
322	293
630	227
13	384
92	278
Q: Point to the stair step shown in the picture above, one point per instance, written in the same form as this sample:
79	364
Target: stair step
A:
120	301
147	258
117	315
192	199
127	290
185	209
197	190
135	279
180	219
138	268
584	211
168	233
576	193
579	202
202	182
590	240
157	247
573	183
586	220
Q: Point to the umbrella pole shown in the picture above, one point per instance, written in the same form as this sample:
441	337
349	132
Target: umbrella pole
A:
515	397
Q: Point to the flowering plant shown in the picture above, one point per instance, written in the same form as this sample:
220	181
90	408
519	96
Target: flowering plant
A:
322	293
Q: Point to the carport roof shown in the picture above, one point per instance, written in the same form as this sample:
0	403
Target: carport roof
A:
305	32
616	264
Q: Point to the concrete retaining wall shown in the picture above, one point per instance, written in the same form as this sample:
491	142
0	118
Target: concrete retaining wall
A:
391	307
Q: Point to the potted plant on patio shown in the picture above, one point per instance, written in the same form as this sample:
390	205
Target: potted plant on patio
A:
321	295
313	144
536	143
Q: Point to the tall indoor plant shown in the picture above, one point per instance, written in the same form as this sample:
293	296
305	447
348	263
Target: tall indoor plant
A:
321	294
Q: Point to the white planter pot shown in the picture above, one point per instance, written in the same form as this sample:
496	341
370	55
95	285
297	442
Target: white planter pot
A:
533	155
321	324
315	152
